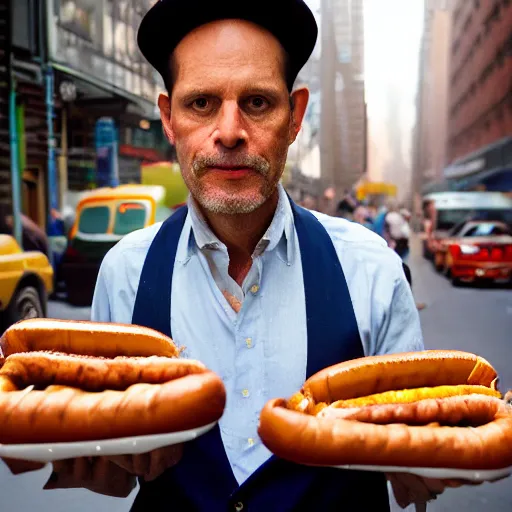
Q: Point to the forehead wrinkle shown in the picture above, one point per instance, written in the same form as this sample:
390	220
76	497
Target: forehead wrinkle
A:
231	49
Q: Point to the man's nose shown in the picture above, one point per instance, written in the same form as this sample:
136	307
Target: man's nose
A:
230	132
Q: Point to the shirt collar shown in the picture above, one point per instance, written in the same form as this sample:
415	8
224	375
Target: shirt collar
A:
277	237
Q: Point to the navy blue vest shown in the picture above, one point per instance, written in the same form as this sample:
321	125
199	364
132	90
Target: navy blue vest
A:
203	481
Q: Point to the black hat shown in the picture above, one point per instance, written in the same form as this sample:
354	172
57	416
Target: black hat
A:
169	21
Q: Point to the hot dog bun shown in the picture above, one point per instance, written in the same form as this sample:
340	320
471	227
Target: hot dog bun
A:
112	381
85	338
410	370
413	409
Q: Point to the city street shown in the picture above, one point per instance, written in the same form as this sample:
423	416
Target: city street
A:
476	320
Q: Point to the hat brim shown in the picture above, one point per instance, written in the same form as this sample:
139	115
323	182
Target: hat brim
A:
168	22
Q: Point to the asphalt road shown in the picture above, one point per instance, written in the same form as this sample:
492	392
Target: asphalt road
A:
476	320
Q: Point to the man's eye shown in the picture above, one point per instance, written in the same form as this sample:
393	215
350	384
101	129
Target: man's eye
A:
200	104
258	103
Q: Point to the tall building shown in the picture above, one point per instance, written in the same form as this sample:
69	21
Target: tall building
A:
431	132
480	111
77	101
343	110
23	116
304	154
103	88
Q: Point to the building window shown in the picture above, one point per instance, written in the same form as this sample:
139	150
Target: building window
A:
78	18
25	19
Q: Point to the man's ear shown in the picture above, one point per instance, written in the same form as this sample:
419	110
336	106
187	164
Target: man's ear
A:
300	99
164	104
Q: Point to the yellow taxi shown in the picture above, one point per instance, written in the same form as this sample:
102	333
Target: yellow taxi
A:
103	217
26	280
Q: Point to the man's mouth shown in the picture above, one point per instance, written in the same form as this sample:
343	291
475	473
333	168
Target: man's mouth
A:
232	171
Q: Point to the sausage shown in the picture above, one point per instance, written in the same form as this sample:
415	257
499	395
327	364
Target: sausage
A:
67	381
110	340
471	410
305	403
426	409
312	440
89	373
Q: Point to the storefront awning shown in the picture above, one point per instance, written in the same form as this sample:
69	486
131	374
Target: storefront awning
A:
492	180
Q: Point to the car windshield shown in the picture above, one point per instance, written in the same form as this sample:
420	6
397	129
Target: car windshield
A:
94	220
448	219
457	228
129	217
486	229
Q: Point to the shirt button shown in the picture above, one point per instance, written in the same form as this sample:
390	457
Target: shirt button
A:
248	342
255	289
239	506
250	441
245	393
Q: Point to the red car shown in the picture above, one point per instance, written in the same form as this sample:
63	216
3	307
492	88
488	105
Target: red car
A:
482	251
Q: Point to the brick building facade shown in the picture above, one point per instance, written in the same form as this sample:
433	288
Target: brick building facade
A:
480	87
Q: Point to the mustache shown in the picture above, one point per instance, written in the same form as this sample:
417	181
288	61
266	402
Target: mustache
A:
257	163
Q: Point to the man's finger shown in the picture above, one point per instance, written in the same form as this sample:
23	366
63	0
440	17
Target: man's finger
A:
454	483
414	489
123	461
433	485
61	471
95	474
70	474
400	491
163	459
18	467
111	480
141	464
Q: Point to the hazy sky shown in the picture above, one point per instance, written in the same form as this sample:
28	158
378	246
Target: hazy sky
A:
393	31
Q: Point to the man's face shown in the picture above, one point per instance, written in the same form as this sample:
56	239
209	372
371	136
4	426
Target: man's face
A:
229	115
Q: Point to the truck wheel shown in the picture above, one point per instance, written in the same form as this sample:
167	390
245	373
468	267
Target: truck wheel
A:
25	304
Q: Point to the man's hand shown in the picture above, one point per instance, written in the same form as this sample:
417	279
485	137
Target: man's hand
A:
112	476
410	489
96	474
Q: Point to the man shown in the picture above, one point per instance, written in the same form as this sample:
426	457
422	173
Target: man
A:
263	292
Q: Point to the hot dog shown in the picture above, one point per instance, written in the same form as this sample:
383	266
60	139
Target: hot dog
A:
110	340
430	409
90	392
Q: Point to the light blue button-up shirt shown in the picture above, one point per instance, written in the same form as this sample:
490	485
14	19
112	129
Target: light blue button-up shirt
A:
261	352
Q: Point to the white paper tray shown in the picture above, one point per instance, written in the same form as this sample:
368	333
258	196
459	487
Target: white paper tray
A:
49	452
473	475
